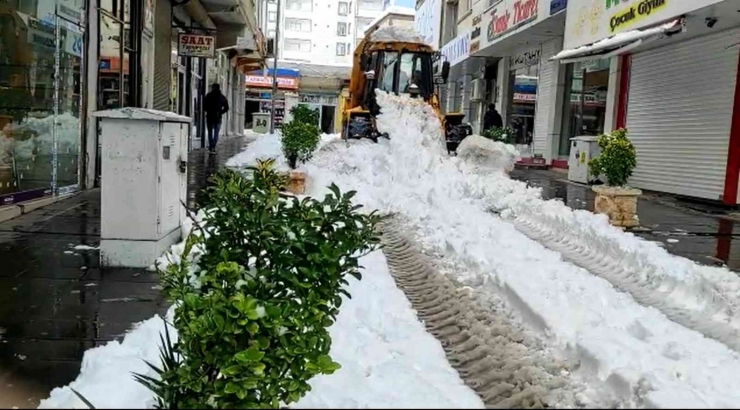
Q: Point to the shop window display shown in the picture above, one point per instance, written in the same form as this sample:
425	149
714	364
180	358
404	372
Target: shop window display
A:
523	86
41	46
587	84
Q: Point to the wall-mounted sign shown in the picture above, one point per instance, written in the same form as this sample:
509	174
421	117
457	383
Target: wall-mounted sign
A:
457	50
246	43
525	59
284	83
196	45
427	20
509	15
318	99
589	21
556	6
525	97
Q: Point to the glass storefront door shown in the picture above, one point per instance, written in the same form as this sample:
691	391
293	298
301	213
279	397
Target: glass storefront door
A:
41	49
523	96
586	87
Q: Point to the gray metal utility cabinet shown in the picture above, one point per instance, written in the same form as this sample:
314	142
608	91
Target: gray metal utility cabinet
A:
143	184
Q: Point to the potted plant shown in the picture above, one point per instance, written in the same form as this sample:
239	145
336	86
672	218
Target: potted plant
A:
616	162
300	139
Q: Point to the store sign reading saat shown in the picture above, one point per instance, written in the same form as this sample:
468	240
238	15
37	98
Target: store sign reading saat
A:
196	45
509	16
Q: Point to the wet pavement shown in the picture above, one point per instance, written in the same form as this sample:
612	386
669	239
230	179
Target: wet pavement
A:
706	233
55	299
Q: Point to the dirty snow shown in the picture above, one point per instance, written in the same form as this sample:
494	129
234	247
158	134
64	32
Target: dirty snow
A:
397	33
646	359
388	359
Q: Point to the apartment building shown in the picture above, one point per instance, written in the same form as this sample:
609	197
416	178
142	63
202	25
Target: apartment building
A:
320	31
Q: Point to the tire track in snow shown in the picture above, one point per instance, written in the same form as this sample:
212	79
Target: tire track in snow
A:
493	355
713	316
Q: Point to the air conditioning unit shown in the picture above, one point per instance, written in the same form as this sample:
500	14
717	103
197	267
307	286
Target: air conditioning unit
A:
478	89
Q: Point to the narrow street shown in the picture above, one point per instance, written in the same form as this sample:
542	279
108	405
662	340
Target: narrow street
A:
58	302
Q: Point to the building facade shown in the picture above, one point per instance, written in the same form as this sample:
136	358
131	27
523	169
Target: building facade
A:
62	60
320	31
667	71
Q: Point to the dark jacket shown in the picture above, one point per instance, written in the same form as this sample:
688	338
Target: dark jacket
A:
492	119
215	106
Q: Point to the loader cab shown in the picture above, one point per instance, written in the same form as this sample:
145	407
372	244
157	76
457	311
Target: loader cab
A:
398	72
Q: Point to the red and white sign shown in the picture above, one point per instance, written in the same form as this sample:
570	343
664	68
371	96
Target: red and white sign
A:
196	45
523	97
510	14
263	81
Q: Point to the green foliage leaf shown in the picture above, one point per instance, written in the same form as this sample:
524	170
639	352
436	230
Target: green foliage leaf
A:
617	160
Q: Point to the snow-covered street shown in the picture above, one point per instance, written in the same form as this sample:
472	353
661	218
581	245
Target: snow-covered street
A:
581	330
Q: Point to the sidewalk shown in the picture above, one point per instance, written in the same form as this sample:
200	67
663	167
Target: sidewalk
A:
704	233
56	301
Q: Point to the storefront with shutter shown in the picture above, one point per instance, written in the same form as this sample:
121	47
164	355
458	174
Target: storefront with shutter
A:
675	89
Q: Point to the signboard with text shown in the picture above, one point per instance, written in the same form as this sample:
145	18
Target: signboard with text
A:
457	50
263	81
196	45
427	21
507	17
589	21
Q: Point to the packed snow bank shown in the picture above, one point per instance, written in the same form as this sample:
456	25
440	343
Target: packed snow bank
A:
106	373
396	33
486	154
646	358
388	359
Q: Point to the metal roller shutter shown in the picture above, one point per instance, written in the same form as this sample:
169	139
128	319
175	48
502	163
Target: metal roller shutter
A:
162	54
545	96
679	114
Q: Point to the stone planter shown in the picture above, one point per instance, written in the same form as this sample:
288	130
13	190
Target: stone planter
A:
296	182
620	204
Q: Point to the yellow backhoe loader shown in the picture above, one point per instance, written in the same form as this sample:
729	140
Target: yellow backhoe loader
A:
398	66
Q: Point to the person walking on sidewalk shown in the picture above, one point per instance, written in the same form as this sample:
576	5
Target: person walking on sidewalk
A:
492	118
215	106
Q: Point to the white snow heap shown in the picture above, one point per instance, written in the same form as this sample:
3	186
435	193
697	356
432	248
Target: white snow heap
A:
397	33
487	154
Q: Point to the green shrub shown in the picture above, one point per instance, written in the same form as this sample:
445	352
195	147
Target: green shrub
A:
500	134
305	114
253	313
617	160
299	141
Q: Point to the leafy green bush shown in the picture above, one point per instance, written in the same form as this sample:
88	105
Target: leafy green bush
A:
500	134
253	313
305	114
617	160
299	141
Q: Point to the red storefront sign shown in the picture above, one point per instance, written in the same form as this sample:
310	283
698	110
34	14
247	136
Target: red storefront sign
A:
263	81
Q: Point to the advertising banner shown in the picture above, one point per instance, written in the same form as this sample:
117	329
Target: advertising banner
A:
196	45
589	21
457	50
263	81
427	21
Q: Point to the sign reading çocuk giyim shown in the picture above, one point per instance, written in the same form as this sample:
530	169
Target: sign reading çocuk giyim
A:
196	45
589	21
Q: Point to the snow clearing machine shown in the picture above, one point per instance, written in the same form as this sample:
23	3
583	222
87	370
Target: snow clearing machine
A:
397	61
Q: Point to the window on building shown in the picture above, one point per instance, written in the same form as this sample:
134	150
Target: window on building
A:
272	16
343	8
300	5
341	49
362	24
297	44
370	5
341	29
298	25
270	33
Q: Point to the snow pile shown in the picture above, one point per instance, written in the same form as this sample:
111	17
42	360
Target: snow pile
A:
106	373
486	154
647	359
396	33
388	359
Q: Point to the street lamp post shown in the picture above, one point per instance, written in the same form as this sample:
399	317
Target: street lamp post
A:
276	41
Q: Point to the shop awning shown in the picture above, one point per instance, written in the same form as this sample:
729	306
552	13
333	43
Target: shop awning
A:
620	43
